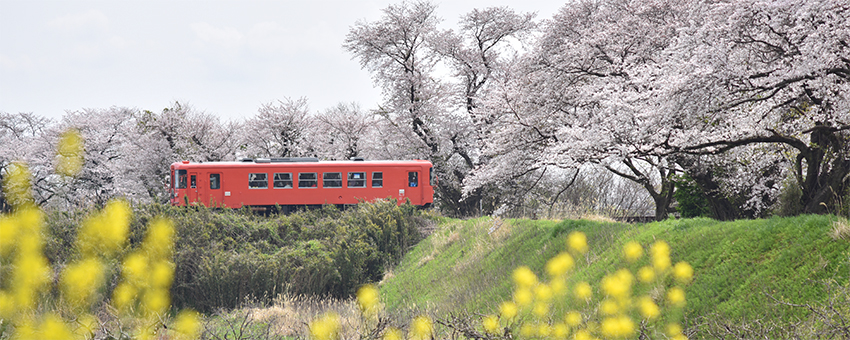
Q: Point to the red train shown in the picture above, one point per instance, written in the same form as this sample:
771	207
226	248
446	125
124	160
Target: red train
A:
266	183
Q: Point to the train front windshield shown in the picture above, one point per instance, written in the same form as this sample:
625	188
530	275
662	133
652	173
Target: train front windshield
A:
180	182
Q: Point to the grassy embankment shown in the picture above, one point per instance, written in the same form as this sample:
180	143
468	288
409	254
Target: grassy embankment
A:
746	273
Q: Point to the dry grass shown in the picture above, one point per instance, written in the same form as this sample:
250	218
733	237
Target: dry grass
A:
841	230
290	315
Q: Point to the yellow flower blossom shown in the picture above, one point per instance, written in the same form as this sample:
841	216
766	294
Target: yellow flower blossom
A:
393	334
583	334
53	328
560	265
8	235
560	331
676	296
577	241
187	325
368	299
660	255
583	291
541	309
524	277
619	284
543	330
646	274
618	327
648	308
573	318
105	233
80	280
683	272
609	307
508	310
527	331
422	328
523	297
326	327
673	329
632	251
543	292
69	153
491	324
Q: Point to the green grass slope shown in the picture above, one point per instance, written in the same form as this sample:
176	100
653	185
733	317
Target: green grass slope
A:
741	268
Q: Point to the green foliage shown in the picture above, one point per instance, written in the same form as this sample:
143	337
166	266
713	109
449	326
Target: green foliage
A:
741	268
691	199
225	258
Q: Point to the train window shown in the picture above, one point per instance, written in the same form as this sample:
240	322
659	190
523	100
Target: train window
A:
413	179
283	180
193	182
377	179
431	176
307	180
215	181
332	180
356	179
258	181
181	179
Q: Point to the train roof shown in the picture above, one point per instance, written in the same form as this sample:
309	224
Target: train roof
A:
299	162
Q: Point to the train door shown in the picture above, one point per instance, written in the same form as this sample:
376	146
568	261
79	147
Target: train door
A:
193	187
216	196
414	187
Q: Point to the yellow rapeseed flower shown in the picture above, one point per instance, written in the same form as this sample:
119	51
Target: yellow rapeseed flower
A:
53	328
524	277
80	281
491	324
560	264
560	331
368	298
660	256
106	232
618	327
326	327
187	325
159	240
8	235
543	330
583	334
577	241
508	310
573	318
673	329
646	274
422	328
527	331
69	153
632	251
393	334
523	297
676	296
17	185
583	291
683	272
609	307
541	309
648	308
618	284
543	292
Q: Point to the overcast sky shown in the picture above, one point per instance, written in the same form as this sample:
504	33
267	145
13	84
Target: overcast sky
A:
223	57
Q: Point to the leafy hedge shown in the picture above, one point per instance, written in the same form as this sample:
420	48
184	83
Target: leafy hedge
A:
225	258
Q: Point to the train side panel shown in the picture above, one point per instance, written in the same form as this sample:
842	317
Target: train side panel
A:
235	185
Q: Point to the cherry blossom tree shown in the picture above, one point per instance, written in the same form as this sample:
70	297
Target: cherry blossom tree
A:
753	72
279	129
22	139
345	131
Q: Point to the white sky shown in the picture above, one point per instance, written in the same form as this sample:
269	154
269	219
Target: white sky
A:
222	57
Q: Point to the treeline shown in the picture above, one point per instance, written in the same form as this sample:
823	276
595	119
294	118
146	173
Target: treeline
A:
742	103
228	258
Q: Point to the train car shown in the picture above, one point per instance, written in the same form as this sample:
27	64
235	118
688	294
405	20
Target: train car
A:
267	183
